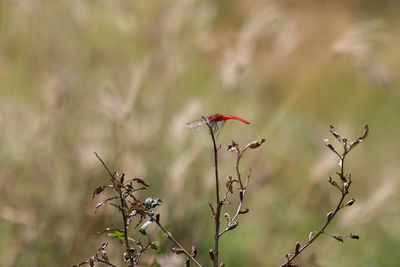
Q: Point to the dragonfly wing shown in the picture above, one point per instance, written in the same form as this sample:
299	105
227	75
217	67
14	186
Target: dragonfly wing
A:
194	124
218	126
199	125
202	128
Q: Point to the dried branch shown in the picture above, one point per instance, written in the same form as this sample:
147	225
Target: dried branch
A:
181	249
124	216
344	190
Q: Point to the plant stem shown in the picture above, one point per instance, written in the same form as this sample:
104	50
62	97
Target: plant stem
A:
217	213
123	205
329	220
175	241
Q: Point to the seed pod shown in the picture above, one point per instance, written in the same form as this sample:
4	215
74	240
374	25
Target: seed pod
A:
233	225
351	202
194	251
338	238
211	254
177	250
297	248
329	215
354	236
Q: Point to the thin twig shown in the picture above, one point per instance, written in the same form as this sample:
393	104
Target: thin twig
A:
109	264
231	221
217	213
329	219
174	240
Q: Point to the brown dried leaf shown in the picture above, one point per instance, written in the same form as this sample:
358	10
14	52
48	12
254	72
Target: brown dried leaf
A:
255	144
103	202
336	135
326	141
98	190
140	181
332	182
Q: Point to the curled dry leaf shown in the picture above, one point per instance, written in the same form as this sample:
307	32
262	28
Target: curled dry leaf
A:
326	141
332	182
252	145
103	202
336	135
98	190
140	181
255	144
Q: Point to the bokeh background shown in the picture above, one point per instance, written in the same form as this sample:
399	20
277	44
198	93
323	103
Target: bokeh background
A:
123	77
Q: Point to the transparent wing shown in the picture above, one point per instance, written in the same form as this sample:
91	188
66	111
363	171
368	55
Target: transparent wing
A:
199	126
194	124
202	128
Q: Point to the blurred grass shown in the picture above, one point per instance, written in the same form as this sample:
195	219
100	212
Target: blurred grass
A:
122	78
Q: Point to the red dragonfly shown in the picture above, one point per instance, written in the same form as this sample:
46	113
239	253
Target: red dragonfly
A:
216	122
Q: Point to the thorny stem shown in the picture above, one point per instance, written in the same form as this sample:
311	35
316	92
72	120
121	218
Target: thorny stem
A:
217	213
123	205
175	241
329	219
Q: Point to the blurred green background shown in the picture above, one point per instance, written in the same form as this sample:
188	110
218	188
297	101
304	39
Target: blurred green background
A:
123	77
